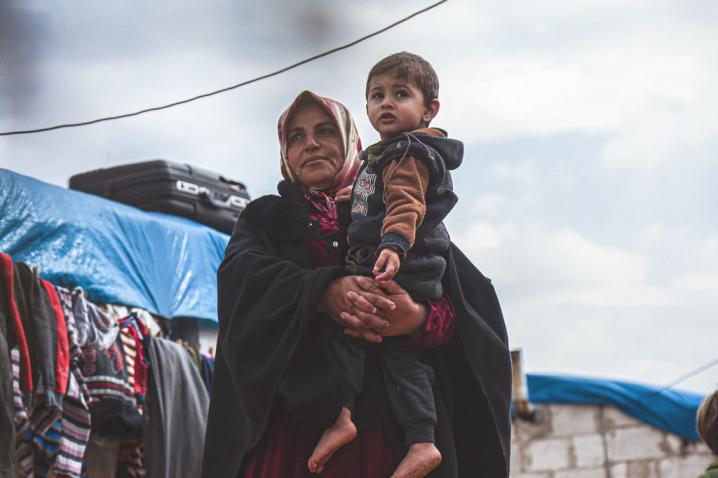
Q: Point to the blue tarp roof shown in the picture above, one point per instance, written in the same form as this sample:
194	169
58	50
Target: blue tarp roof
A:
118	254
166	265
670	410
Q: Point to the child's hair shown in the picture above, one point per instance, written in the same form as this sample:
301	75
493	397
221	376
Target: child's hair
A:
408	66
707	418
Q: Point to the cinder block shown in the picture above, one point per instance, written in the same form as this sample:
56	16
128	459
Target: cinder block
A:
636	469
674	444
701	448
619	470
568	420
615	418
540	427
585	473
547	455
625	444
682	467
515	457
589	450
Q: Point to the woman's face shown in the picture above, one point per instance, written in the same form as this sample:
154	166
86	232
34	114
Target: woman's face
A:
314	147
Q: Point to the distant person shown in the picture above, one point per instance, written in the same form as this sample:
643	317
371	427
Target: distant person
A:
707	418
401	196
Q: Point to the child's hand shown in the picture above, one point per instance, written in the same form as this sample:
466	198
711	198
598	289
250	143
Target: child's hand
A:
388	261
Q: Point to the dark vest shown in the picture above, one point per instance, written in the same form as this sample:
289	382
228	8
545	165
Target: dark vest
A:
422	268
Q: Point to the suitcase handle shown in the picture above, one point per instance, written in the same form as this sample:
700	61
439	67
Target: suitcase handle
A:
213	201
223	204
231	201
234	185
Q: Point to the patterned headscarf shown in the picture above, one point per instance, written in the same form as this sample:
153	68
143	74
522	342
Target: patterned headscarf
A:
347	130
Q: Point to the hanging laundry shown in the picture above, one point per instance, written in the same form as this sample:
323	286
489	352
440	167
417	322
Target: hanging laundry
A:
76	425
62	364
73	335
12	289
147	319
132	335
80	375
40	324
177	413
75	428
7	423
24	455
60	446
95	327
46	446
38	389
113	406
207	371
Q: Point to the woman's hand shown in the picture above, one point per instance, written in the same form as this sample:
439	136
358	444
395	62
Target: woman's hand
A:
344	194
407	317
336	303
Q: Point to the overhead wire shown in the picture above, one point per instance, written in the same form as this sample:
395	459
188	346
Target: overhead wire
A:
228	88
684	377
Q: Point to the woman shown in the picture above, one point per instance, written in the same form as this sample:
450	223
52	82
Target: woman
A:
276	386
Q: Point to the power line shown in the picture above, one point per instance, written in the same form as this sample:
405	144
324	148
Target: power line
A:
691	374
685	377
228	88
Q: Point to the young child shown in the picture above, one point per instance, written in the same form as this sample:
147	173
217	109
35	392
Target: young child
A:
400	198
707	420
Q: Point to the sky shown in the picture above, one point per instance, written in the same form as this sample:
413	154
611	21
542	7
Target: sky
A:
588	188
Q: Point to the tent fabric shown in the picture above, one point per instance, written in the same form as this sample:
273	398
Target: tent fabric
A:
117	253
669	410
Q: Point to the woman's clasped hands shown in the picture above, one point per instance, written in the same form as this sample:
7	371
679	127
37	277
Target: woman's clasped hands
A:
372	310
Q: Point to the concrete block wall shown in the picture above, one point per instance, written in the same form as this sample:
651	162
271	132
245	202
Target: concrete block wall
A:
585	441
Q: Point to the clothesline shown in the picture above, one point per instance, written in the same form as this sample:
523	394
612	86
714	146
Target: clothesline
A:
79	374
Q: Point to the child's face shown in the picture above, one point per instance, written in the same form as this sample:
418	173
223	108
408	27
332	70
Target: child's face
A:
395	105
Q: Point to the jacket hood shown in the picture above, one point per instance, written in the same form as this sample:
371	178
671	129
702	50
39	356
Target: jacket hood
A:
451	150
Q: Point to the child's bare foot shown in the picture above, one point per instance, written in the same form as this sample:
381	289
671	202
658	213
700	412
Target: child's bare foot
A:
421	460
336	436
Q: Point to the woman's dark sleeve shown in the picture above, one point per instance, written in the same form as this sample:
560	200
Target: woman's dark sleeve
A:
266	309
266	304
439	328
480	371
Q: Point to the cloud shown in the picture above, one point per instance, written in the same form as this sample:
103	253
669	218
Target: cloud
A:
522	172
578	306
562	266
588	69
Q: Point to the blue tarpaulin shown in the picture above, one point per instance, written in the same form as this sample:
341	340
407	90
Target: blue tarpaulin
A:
118	254
670	410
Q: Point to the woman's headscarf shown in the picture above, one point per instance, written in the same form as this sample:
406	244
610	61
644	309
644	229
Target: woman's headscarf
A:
347	130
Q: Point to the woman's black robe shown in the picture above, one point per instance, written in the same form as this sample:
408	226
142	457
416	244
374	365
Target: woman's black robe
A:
273	347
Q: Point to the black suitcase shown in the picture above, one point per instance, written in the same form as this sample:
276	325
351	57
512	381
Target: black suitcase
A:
169	187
